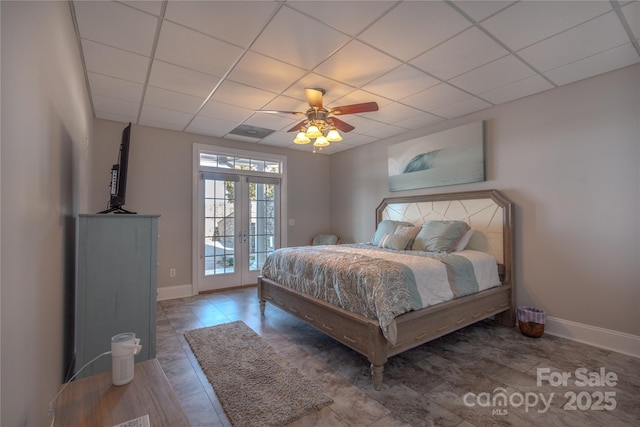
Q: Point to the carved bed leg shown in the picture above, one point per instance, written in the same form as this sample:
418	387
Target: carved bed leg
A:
376	375
263	303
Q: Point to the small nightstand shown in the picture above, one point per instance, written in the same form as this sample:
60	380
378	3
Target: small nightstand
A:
95	402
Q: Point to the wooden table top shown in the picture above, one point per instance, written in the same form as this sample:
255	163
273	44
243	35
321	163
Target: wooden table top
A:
95	402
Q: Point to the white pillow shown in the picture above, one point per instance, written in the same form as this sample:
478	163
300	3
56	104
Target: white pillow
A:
464	241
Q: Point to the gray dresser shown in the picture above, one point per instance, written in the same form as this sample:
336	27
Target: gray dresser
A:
116	273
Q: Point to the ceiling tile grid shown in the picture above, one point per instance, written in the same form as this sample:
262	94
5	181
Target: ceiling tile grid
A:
208	67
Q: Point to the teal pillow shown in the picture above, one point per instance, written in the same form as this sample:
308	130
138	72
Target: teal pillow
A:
398	242
440	236
386	226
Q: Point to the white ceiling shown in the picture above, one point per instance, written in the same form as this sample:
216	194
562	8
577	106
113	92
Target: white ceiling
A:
206	66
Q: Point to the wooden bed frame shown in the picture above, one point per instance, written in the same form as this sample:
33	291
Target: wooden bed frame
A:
491	216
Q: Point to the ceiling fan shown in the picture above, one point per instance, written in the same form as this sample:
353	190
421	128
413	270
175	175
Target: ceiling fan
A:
320	124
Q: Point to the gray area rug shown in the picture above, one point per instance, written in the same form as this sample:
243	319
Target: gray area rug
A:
256	385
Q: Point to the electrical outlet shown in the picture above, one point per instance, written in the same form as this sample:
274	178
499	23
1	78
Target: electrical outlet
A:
172	272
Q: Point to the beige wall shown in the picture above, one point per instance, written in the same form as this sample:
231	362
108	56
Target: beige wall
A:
160	181
46	118
568	158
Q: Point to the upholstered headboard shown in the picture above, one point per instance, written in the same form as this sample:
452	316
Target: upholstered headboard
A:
488	212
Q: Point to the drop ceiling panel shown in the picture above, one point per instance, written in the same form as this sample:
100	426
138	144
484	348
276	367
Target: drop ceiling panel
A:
270	122
209	126
393	113
120	107
401	82
493	75
237	22
228	112
181	80
590	38
528	22
158	97
234	93
161	124
350	17
365	125
435	97
216	62
480	10
115	88
107	60
420	121
460	54
116	25
304	49
115	117
357	64
518	89
160	115
460	108
205	54
286	103
354	140
265	73
278	139
608	60
153	7
414	27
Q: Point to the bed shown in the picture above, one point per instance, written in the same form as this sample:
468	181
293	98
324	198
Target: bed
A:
379	334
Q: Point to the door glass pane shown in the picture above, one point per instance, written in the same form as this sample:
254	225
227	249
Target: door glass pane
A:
261	223
219	231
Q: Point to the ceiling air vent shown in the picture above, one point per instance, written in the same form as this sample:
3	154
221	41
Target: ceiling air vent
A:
252	131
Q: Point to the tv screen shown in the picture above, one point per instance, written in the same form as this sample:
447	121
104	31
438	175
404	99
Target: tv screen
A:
118	183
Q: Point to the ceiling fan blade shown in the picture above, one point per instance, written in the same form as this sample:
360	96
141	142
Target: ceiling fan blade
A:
297	113
298	126
314	97
343	126
355	108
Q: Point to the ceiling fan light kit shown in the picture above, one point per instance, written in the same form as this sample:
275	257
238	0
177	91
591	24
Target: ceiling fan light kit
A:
301	138
333	135
319	127
313	132
321	142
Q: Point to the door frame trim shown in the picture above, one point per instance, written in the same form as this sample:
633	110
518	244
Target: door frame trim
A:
197	202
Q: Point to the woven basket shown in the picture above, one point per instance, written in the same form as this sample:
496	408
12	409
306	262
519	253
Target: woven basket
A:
531	329
531	321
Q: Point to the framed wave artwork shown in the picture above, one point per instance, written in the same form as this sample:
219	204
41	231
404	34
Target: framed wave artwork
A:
453	156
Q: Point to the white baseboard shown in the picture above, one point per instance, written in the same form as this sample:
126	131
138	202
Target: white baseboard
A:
173	292
598	337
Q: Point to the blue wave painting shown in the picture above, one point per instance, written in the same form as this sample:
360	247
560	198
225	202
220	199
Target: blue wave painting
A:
454	156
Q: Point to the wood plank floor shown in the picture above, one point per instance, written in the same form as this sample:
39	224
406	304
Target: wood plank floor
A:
456	380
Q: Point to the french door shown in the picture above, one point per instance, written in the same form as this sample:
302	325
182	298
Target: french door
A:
240	227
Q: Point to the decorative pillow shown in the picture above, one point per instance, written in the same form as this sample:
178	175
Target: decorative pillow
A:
405	230
440	236
464	241
398	242
325	239
386	226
